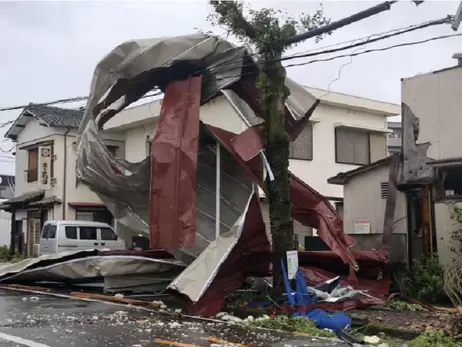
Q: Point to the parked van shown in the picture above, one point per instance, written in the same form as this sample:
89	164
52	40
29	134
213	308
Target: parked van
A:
60	236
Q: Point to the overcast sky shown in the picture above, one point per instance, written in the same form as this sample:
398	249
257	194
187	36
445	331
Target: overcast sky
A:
49	49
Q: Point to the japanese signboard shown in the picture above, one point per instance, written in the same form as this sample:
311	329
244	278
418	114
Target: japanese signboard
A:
362	226
44	167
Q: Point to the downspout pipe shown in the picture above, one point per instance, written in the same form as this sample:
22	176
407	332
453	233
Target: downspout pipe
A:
65	173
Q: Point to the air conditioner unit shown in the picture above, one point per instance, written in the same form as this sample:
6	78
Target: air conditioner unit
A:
36	251
53	157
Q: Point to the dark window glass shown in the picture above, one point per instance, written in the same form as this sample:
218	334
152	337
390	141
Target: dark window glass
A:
52	232
108	235
71	233
87	233
45	231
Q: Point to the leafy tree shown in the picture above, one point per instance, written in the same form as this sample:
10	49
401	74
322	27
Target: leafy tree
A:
265	31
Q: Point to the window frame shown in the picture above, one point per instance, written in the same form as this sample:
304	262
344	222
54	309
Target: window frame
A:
440	191
112	150
292	145
31	175
368	132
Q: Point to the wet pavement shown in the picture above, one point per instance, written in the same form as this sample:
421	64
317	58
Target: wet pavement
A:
47	321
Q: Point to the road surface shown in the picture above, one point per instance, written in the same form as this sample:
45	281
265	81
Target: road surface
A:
47	321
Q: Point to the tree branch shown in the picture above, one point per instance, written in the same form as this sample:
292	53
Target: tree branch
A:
230	14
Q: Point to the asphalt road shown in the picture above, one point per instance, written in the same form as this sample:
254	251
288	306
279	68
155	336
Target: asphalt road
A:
46	321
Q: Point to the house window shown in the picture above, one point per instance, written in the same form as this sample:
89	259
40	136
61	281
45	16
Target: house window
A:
32	166
339	209
112	150
101	215
352	146
449	184
302	147
384	190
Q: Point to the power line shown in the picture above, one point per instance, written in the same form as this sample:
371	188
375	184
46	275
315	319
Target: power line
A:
310	53
404	44
61	101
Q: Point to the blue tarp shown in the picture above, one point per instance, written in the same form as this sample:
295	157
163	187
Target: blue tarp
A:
323	319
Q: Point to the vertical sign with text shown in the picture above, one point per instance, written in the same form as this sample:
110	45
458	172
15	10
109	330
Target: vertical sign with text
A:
44	167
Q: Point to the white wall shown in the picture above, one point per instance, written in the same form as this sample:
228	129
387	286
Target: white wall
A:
34	133
5	227
435	100
219	113
363	200
317	171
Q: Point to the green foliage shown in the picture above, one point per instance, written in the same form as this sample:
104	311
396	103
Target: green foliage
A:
433	338
264	29
5	255
295	324
406	306
425	281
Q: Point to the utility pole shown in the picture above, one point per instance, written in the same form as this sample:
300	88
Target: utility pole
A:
457	18
372	11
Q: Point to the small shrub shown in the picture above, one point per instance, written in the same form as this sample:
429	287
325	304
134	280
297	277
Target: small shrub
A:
434	338
295	324
5	253
425	281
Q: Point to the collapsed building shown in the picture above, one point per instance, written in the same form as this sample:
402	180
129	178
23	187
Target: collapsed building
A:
196	195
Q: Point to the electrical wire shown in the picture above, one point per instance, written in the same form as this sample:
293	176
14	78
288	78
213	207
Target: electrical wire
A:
61	101
310	53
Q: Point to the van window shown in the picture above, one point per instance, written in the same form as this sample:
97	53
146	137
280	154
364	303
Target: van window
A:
71	233
45	230
87	233
52	232
108	235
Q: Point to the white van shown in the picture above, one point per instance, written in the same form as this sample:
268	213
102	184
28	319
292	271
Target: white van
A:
60	236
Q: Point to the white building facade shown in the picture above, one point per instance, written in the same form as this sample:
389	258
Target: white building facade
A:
45	177
345	132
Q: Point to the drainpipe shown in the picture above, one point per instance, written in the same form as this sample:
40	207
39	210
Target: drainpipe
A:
64	173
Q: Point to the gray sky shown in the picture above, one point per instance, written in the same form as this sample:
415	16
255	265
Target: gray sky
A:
49	49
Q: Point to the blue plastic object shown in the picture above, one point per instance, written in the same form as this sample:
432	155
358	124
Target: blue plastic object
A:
323	319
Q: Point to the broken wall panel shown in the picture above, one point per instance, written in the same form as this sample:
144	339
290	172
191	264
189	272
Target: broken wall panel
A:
172	221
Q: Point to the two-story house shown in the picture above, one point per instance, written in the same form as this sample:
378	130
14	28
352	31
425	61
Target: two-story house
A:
45	180
345	132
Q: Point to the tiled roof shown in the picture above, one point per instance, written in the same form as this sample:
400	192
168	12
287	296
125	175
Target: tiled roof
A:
56	116
48	115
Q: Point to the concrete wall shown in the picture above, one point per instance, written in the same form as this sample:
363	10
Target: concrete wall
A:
363	200
435	100
445	226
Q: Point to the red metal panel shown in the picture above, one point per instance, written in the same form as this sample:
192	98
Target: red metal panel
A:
249	257
173	170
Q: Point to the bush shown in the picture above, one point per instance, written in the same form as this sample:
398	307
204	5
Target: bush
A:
5	253
424	282
6	256
433	338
